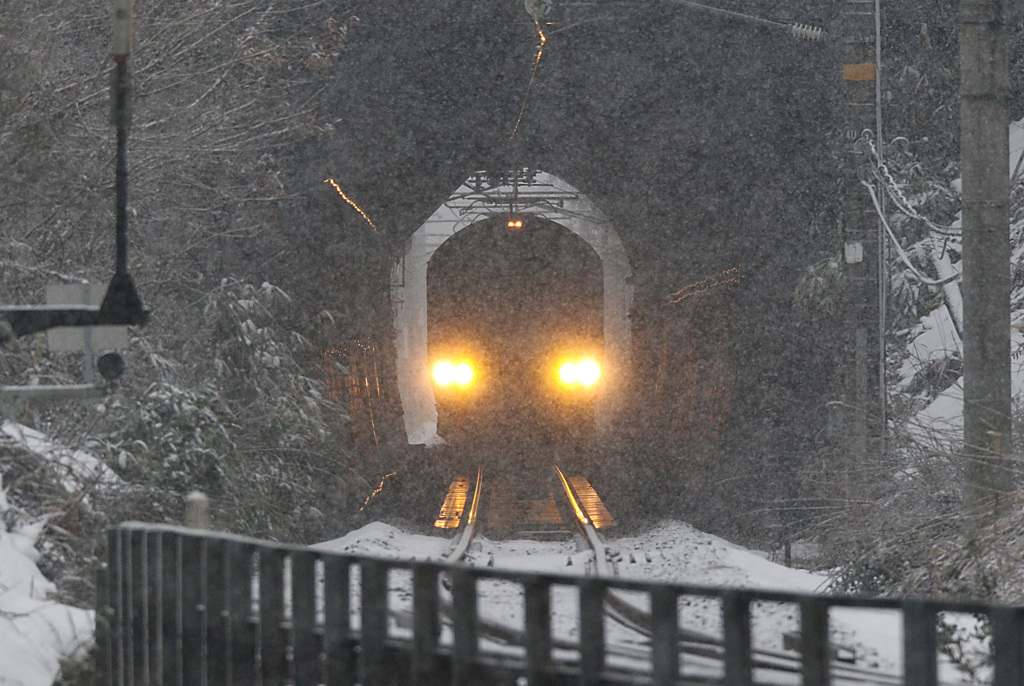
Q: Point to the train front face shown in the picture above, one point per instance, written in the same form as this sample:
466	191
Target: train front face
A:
519	393
515	341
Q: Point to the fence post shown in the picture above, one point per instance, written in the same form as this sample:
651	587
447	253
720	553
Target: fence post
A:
373	577
665	635
197	510
127	612
425	627
340	663
920	644
140	609
241	629
592	592
814	641
215	605
736	620
103	675
538	629
465	627
273	667
154	614
114	573
1008	645
193	657
170	601
305	652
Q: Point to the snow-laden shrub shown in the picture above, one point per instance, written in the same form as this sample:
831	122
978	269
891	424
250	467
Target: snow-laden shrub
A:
256	363
175	437
239	419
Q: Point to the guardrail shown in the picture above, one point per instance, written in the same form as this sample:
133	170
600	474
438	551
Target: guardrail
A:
184	607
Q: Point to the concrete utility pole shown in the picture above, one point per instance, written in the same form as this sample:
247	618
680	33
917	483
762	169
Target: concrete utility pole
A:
984	150
865	382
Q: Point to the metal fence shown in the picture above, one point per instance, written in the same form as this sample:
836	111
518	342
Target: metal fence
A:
183	607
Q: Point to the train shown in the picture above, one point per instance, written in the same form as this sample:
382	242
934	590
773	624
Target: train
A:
515	339
511	312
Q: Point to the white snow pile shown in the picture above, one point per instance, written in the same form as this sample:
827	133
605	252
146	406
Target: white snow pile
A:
36	633
77	468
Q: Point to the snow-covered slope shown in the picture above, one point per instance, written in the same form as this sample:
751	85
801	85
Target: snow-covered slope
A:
36	633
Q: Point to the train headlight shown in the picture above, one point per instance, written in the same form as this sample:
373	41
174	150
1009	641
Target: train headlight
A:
447	374
463	374
588	372
584	373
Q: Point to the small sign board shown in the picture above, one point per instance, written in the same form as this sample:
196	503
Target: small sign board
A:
80	338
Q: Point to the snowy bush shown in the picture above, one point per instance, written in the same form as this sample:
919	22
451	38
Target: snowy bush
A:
240	420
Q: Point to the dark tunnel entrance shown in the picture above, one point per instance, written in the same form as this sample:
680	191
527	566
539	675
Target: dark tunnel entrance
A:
517	303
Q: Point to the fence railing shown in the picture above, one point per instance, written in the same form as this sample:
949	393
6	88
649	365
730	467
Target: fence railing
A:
184	607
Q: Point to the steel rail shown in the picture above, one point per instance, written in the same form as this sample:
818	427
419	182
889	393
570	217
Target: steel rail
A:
587	528
691	642
468	532
624	613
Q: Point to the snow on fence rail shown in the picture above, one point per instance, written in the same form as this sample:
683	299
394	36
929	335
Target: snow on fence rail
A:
182	607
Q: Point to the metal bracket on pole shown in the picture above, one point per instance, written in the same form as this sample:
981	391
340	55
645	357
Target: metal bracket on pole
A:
51	392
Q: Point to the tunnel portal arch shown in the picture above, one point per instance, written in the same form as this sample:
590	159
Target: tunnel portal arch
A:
480	197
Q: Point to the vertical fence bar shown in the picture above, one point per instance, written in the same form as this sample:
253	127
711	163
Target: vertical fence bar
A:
103	675
114	572
140	609
339	663
305	651
127	610
241	656
920	644
273	666
736	621
425	629
215	603
374	620
154	614
592	592
193	578
538	629
465	627
170	601
1008	645
814	641
665	635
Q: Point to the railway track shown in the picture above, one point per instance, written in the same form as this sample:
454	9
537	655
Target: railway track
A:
704	648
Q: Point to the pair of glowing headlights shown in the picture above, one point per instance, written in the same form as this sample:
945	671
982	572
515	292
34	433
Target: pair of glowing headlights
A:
584	372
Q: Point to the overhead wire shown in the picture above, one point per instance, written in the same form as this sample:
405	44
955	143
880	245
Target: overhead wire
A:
352	203
899	250
533	76
697	288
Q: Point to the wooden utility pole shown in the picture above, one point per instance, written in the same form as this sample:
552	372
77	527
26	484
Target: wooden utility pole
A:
984	151
865	382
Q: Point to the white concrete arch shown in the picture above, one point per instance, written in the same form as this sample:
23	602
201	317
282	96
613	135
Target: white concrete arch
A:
523	192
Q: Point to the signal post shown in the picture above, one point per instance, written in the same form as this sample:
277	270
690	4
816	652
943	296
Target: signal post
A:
864	377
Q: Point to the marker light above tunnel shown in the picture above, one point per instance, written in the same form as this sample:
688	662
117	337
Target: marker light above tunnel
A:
448	374
584	373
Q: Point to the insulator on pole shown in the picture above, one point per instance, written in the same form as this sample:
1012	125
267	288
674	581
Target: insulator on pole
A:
806	32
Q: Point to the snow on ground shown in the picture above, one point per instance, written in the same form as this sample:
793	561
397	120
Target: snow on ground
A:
670	552
35	633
